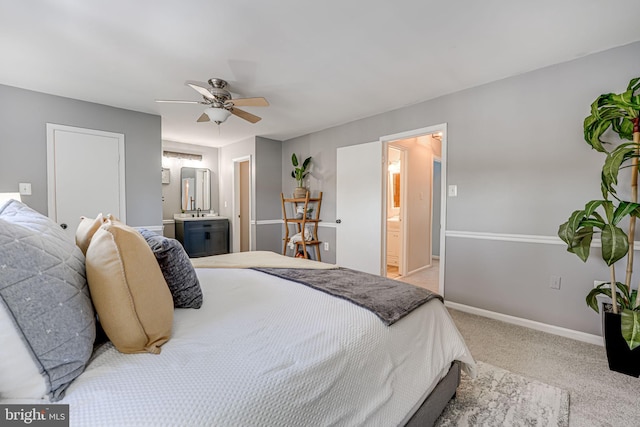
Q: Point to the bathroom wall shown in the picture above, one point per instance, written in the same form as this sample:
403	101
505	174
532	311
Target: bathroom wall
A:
171	192
418	201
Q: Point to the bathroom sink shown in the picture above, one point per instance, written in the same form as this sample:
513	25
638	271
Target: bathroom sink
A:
193	217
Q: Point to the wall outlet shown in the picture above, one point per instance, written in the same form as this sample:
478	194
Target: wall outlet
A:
554	282
452	191
326	246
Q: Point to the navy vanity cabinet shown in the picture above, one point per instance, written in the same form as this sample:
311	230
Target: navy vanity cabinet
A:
204	237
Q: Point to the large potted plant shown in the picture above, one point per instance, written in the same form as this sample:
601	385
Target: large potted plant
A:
613	117
299	173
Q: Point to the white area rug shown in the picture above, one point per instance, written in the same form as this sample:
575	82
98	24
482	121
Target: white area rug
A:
500	398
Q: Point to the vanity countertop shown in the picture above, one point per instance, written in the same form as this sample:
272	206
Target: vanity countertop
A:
192	217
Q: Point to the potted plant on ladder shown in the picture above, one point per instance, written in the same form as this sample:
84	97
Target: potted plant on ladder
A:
618	113
299	173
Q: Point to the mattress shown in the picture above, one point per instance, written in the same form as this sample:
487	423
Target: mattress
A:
263	351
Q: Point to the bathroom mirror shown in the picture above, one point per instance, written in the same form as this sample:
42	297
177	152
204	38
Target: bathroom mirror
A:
395	190
195	189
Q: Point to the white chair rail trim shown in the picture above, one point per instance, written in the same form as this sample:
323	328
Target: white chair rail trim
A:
279	221
521	238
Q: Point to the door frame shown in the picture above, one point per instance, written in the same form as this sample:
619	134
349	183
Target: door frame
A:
51	173
429	130
235	247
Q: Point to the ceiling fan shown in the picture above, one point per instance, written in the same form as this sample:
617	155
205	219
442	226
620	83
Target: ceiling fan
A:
219	103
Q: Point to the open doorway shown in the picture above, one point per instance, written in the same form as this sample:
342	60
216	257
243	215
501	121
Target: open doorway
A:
396	208
413	239
242	205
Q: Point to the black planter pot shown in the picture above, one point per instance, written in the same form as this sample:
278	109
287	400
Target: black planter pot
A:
620	358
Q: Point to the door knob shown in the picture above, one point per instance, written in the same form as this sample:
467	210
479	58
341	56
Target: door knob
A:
63	226
338	221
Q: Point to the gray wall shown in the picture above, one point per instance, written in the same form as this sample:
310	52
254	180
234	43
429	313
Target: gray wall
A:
268	187
516	153
23	147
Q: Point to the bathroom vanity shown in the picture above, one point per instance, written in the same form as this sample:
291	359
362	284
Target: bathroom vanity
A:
202	236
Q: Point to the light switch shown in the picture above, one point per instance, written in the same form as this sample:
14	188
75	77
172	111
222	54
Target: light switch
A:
25	188
453	191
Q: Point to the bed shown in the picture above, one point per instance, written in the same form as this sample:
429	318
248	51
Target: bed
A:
263	351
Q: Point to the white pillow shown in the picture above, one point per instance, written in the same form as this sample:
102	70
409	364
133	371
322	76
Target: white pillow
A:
19	375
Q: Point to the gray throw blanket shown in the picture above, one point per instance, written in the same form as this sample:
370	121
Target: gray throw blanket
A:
388	299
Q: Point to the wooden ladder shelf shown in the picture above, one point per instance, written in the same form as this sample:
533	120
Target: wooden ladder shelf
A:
299	223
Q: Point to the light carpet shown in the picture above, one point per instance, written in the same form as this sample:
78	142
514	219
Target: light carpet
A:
500	398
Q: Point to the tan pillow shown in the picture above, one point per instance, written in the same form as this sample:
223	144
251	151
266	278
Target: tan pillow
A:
85	231
133	301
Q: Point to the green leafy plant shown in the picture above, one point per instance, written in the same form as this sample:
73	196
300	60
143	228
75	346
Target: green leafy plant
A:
612	114
299	173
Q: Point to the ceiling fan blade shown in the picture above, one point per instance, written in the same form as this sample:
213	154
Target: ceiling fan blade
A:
170	101
203	91
203	118
245	115
250	102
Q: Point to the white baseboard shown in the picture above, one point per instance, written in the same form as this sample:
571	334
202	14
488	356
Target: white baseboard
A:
417	270
531	324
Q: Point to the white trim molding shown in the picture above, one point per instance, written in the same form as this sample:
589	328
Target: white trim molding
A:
531	324
266	221
279	221
523	238
520	238
328	224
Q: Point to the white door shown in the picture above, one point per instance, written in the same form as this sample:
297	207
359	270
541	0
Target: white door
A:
85	175
359	207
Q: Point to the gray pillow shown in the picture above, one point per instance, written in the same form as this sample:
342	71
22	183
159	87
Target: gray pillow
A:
44	289
176	268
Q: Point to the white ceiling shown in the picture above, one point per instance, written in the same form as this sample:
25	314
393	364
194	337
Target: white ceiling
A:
319	63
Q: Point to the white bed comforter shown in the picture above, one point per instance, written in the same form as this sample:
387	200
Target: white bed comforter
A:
263	351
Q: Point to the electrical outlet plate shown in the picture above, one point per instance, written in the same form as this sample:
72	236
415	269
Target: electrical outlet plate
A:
326	246
25	188
554	282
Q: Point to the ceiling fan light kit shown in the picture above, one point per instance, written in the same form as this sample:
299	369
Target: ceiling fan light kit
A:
220	105
217	115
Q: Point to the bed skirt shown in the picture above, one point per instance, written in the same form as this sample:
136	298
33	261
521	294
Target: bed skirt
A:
434	404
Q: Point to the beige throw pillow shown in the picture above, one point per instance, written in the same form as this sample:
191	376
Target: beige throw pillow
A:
85	231
133	301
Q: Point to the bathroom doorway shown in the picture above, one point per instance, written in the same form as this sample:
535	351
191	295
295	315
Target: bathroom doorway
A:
396	184
241	225
413	213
